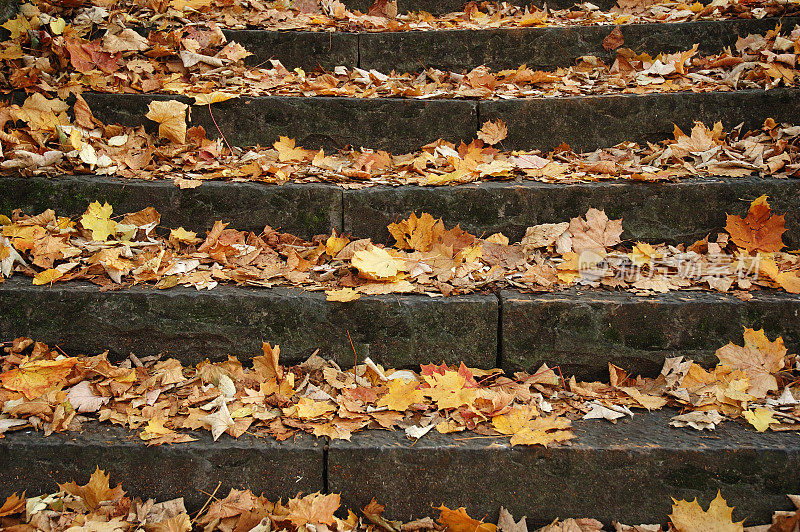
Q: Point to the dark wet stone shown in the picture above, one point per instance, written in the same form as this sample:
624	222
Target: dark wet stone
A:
625	472
396	330
35	464
582	331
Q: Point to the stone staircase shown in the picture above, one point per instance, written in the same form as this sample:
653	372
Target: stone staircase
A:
626	471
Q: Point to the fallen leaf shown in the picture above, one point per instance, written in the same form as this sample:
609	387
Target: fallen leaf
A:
690	517
171	118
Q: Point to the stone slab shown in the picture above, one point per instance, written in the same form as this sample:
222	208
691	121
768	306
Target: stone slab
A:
678	212
589	122
35	464
625	472
438	7
397	125
303	210
396	330
545	48
298	49
583	330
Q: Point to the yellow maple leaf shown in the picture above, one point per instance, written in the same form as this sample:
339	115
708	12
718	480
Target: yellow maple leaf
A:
32	379
335	244
690	517
213	97
311	409
96	491
459	521
171	118
512	422
493	132
760	418
417	233
401	395
287	152
315	509
375	263
448	391
342	295
789	281
14	504
538	431
155	429
182	236
48	276
758	358
97	220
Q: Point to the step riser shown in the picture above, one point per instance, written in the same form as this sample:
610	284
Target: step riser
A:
459	50
626	473
302	210
680	212
448	6
29	461
579	331
545	48
584	332
399	125
397	330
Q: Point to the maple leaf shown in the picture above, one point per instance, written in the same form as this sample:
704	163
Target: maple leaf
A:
13	505
760	418
401	395
48	276
789	281
614	39
125	41
417	233
288	153
236	503
702	139
595	233
83	399
342	295
171	118
314	509
219	422
493	132
96	491
459	521
267	364
758	358
311	409
544	431
375	263
448	390
690	517
32	379
213	97
513	421
760	230
97	220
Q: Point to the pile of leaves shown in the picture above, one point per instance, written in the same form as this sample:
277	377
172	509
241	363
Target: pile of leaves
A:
333	15
97	506
426	258
45	389
51	57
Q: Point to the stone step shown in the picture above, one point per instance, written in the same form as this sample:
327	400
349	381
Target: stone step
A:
437	7
34	463
579	330
542	48
677	212
584	331
625	472
396	330
401	125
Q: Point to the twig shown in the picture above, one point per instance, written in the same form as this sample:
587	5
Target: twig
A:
218	129
354	348
210	498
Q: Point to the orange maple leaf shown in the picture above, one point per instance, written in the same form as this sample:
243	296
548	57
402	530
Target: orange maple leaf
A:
97	490
760	230
459	521
32	379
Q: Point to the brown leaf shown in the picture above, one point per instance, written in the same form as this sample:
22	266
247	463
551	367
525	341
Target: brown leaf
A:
613	40
760	230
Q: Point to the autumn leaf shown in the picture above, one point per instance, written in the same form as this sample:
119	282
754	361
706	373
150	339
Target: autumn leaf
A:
690	517
96	491
401	395
315	509
459	521
789	281
493	132
311	409
14	504
375	263
760	230
614	39
594	233
544	431
213	97
759	358
417	233
342	295
287	152
48	276
171	118
34	378
97	220
448	390
760	418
